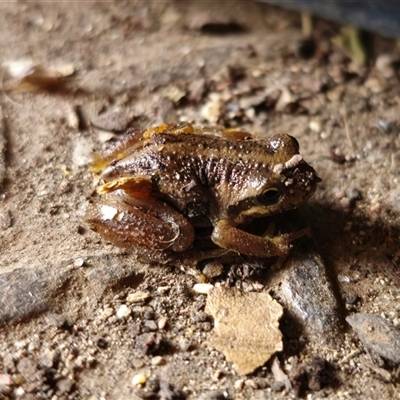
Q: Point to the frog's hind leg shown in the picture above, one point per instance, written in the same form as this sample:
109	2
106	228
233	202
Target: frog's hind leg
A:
128	222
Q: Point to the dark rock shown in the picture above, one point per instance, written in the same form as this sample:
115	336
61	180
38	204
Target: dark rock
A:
27	291
310	297
102	343
149	343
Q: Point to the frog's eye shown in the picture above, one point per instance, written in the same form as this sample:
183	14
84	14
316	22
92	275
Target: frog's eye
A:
270	196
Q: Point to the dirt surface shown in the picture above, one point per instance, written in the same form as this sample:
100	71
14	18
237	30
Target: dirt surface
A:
81	319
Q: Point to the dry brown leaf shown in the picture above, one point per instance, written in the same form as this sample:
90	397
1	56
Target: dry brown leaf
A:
246	327
284	100
37	77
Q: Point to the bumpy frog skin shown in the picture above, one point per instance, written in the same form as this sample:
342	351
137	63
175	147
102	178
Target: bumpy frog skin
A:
163	188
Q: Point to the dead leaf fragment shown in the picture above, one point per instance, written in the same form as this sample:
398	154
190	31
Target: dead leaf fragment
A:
37	77
246	327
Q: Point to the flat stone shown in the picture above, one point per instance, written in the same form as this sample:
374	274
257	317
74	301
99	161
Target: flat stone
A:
377	334
27	291
308	294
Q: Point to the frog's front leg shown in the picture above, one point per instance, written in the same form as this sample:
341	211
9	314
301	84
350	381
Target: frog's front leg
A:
128	222
228	236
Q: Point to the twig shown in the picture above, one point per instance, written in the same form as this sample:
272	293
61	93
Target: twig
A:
346	128
3	146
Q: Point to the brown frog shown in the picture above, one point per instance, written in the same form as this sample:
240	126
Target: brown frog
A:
165	189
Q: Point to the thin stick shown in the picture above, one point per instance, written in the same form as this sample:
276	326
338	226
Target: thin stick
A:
346	128
3	146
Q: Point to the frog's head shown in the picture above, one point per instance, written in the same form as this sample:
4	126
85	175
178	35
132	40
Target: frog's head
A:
283	182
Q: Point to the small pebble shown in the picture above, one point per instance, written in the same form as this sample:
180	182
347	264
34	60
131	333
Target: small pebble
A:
213	395
64	187
20	344
102	343
79	262
213	269
5	220
137	297
344	278
352	298
65	385
105	136
157	360
5	391
81	152
184	344
206	326
239	384
353	194
48	358
384	64
345	202
148	314
278	386
6	379
383	125
19	392
163	289
200	316
124	311
315	126
73	118
375	85
162	323
218	374
202	288
150	326
107	313
251	383
324	135
139	379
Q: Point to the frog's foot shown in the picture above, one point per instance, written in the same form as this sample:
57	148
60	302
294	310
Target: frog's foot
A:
298	234
227	236
128	222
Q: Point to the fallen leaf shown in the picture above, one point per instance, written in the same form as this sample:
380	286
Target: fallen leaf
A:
279	374
285	99
246	327
37	77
